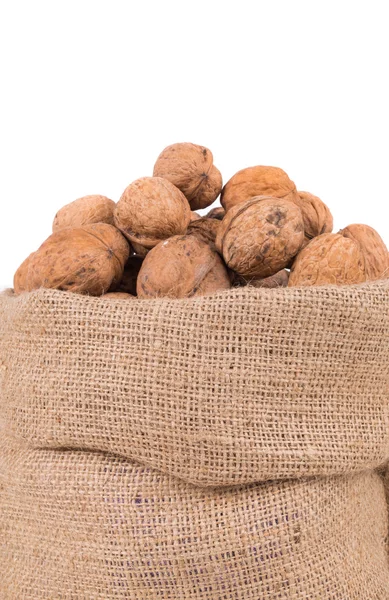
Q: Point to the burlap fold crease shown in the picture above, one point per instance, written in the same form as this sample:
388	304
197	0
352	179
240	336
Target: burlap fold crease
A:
218	448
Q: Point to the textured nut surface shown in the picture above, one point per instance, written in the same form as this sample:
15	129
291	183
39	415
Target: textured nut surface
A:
119	295
130	275
85	211
194	216
182	267
257	181
216	213
317	216
206	229
329	258
277	280
85	260
151	209
374	251
190	167
259	237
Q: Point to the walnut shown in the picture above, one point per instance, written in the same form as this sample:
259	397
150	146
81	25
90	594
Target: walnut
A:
85	260
118	295
259	237
217	213
206	229
277	280
316	215
190	167
257	181
130	275
182	267
85	211
139	250
329	258
374	251
151	209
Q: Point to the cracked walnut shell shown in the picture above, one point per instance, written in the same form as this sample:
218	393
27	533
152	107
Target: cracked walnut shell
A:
151	209
329	258
257	181
182	267
259	237
190	167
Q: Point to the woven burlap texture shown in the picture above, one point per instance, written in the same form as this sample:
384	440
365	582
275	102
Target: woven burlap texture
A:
235	388
85	525
139	440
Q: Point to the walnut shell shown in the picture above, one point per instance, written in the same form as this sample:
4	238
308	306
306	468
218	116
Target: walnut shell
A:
139	250
277	280
190	167
194	216
85	211
259	237
84	260
182	267
257	181
373	248
119	295
130	275
216	213
329	258
151	209
206	229
317	216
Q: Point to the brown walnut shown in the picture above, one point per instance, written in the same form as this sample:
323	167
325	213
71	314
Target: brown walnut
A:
216	213
151	209
257	181
277	280
316	215
118	295
374	251
329	258
259	237
85	211
85	260
190	167
182	267
127	283
206	229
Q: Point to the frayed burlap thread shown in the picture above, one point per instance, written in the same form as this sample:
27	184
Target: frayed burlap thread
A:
218	448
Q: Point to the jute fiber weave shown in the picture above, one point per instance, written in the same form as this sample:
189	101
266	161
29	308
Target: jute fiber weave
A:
218	448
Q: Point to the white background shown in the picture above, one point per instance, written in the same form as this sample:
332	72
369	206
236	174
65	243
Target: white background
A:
91	92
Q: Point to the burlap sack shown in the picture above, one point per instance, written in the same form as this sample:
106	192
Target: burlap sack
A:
137	439
385	476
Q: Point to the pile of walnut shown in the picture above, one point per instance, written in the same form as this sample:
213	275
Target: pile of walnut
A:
151	244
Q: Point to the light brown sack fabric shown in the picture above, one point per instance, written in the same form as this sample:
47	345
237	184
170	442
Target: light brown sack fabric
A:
80	525
111	412
239	387
385	476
